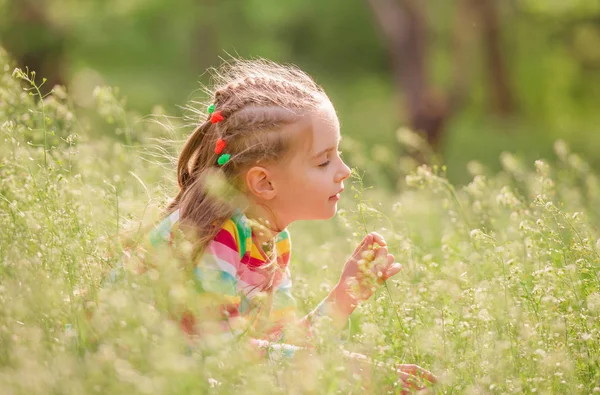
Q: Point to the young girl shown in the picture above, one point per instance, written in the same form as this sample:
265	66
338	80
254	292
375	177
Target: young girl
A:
266	156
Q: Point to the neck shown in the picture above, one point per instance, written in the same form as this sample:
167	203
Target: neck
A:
266	220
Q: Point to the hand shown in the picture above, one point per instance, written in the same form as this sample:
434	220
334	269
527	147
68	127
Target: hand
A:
369	266
412	377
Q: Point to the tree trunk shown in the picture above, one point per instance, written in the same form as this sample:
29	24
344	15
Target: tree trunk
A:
503	102
34	43
404	28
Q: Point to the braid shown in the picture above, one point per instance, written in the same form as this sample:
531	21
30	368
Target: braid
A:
262	91
188	151
261	103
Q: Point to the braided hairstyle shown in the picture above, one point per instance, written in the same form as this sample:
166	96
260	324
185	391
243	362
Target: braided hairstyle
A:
257	99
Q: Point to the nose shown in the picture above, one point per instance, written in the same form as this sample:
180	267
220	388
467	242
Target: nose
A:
343	173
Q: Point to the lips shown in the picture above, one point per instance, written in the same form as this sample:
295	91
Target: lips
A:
337	195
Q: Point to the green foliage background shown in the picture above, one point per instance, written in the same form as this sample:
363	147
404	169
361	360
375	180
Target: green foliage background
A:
157	52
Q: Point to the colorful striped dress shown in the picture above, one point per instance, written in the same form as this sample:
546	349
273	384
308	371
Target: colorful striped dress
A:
232	274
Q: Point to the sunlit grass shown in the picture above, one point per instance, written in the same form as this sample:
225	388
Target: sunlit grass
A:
500	291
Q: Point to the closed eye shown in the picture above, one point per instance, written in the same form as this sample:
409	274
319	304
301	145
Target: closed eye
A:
324	164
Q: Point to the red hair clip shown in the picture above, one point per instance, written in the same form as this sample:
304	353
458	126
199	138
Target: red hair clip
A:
219	146
216	117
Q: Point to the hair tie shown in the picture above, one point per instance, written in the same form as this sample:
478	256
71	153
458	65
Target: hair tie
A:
223	159
219	146
216	117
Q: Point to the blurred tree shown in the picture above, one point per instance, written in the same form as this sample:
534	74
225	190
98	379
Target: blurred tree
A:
33	39
405	28
461	66
503	102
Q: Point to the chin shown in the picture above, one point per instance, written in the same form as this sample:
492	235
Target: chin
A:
331	213
322	216
327	213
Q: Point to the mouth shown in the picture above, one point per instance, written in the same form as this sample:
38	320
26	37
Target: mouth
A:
336	197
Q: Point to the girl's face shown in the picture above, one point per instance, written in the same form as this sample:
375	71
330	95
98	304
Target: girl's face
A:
309	184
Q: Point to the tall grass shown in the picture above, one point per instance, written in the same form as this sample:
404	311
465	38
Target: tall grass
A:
500	291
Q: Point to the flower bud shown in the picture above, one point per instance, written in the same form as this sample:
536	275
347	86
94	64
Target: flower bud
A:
368	255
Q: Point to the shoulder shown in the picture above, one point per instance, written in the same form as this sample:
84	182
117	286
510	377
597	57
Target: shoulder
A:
162	233
235	233
284	244
230	244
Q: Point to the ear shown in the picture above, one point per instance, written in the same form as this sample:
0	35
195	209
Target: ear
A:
259	182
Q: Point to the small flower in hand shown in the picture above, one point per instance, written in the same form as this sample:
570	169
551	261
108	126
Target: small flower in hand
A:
369	266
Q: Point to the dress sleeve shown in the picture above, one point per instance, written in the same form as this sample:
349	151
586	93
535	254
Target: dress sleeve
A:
216	277
283	311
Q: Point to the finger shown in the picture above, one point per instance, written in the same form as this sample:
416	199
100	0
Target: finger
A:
381	252
392	270
383	260
417	371
410	381
390	261
377	238
362	245
404	387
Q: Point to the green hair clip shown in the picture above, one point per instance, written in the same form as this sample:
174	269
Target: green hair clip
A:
223	159
211	108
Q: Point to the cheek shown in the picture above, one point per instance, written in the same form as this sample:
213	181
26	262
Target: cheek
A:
307	184
297	186
315	180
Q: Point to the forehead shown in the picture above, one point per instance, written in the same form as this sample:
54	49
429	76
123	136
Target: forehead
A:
319	130
315	132
325	127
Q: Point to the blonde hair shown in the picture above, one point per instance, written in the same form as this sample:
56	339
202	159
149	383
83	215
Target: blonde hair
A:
257	99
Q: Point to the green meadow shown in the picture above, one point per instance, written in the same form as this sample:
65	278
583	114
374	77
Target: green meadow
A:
499	292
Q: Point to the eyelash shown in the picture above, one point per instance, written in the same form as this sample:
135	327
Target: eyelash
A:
328	161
